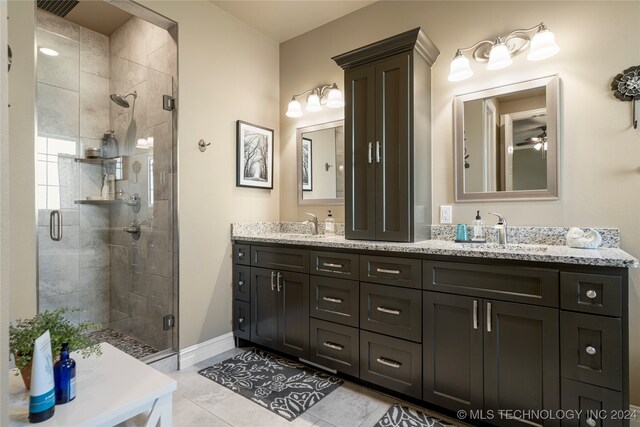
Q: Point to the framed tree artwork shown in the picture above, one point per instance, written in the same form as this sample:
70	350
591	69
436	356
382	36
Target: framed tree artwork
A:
254	145
307	165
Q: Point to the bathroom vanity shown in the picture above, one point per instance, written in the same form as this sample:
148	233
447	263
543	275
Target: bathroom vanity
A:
527	327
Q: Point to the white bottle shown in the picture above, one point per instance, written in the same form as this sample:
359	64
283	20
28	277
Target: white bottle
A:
105	189
329	225
111	185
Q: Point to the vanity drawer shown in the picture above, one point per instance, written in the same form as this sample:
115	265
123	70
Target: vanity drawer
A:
241	254
242	282
392	363
392	311
344	266
391	271
335	300
591	349
591	293
590	400
241	319
335	346
537	286
280	258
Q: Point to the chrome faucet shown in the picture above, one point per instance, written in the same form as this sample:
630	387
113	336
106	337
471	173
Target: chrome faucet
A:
501	226
313	220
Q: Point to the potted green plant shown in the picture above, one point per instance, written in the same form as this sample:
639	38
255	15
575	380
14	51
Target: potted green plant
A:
24	332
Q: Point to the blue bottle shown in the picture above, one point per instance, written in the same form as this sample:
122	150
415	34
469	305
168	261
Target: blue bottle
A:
64	373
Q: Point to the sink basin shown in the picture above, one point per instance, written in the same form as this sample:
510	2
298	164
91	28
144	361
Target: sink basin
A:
304	236
511	247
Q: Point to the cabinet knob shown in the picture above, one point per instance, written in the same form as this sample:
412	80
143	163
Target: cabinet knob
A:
591	350
591	422
240	253
591	294
240	319
240	283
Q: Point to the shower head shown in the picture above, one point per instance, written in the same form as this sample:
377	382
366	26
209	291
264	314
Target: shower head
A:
120	99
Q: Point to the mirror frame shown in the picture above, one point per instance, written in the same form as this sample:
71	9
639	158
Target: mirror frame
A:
551	84
299	132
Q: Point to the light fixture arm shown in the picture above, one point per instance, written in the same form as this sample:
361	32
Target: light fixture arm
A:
540	27
320	91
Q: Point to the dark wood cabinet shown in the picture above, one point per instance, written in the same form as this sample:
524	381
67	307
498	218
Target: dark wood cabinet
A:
491	355
280	310
387	126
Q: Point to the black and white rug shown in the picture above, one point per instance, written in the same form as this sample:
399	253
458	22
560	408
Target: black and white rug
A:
403	416
285	387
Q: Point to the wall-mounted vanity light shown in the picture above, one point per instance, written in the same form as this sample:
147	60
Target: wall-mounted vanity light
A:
328	95
498	53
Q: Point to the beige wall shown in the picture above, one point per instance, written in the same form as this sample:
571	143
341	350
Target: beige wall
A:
226	71
22	196
599	177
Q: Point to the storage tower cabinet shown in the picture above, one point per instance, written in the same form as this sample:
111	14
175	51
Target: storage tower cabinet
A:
388	138
455	333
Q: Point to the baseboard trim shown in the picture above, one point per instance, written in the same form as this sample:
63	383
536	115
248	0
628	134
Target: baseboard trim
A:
204	350
635	410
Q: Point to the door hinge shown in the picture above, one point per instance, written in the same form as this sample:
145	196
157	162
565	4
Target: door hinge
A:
168	322
168	102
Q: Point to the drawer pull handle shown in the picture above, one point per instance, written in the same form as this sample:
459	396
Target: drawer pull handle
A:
334	300
331	265
388	362
240	319
370	153
488	317
591	422
389	311
387	271
333	346
591	294
273	283
278	281
591	350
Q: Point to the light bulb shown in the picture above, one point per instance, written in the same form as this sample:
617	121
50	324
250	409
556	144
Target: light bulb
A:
499	56
460	68
294	109
538	146
543	45
313	103
334	98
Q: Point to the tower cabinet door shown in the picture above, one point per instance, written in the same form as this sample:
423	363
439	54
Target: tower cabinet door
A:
359	153
264	308
393	155
452	351
293	316
521	353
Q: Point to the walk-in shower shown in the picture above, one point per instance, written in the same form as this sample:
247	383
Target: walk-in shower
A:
117	258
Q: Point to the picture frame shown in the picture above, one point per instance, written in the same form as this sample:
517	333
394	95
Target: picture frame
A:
307	164
254	153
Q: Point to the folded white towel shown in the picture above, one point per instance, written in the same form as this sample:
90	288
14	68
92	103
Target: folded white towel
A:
590	239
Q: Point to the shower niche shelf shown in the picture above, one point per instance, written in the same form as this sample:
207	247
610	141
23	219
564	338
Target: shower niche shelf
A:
97	160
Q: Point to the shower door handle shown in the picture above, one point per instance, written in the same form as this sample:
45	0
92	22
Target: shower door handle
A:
55	225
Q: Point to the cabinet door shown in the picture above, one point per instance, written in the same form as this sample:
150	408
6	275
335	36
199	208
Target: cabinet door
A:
452	370
293	316
393	148
521	353
359	153
264	308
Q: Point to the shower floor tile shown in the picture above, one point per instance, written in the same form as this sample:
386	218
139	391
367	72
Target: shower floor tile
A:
132	346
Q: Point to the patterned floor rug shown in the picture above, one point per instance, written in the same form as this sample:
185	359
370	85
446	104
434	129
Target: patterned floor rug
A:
285	387
403	416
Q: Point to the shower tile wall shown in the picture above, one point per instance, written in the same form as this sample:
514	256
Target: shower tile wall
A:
143	59
72	99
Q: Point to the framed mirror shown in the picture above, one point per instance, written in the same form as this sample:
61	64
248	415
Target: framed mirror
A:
506	142
321	164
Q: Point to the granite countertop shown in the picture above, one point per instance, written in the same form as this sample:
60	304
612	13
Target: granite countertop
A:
289	233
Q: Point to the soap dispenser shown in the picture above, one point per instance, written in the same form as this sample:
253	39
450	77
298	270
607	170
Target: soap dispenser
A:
478	233
329	225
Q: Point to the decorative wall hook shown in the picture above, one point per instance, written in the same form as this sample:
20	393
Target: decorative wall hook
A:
203	145
327	166
626	87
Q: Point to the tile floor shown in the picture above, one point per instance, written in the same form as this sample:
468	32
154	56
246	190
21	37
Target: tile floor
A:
199	401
